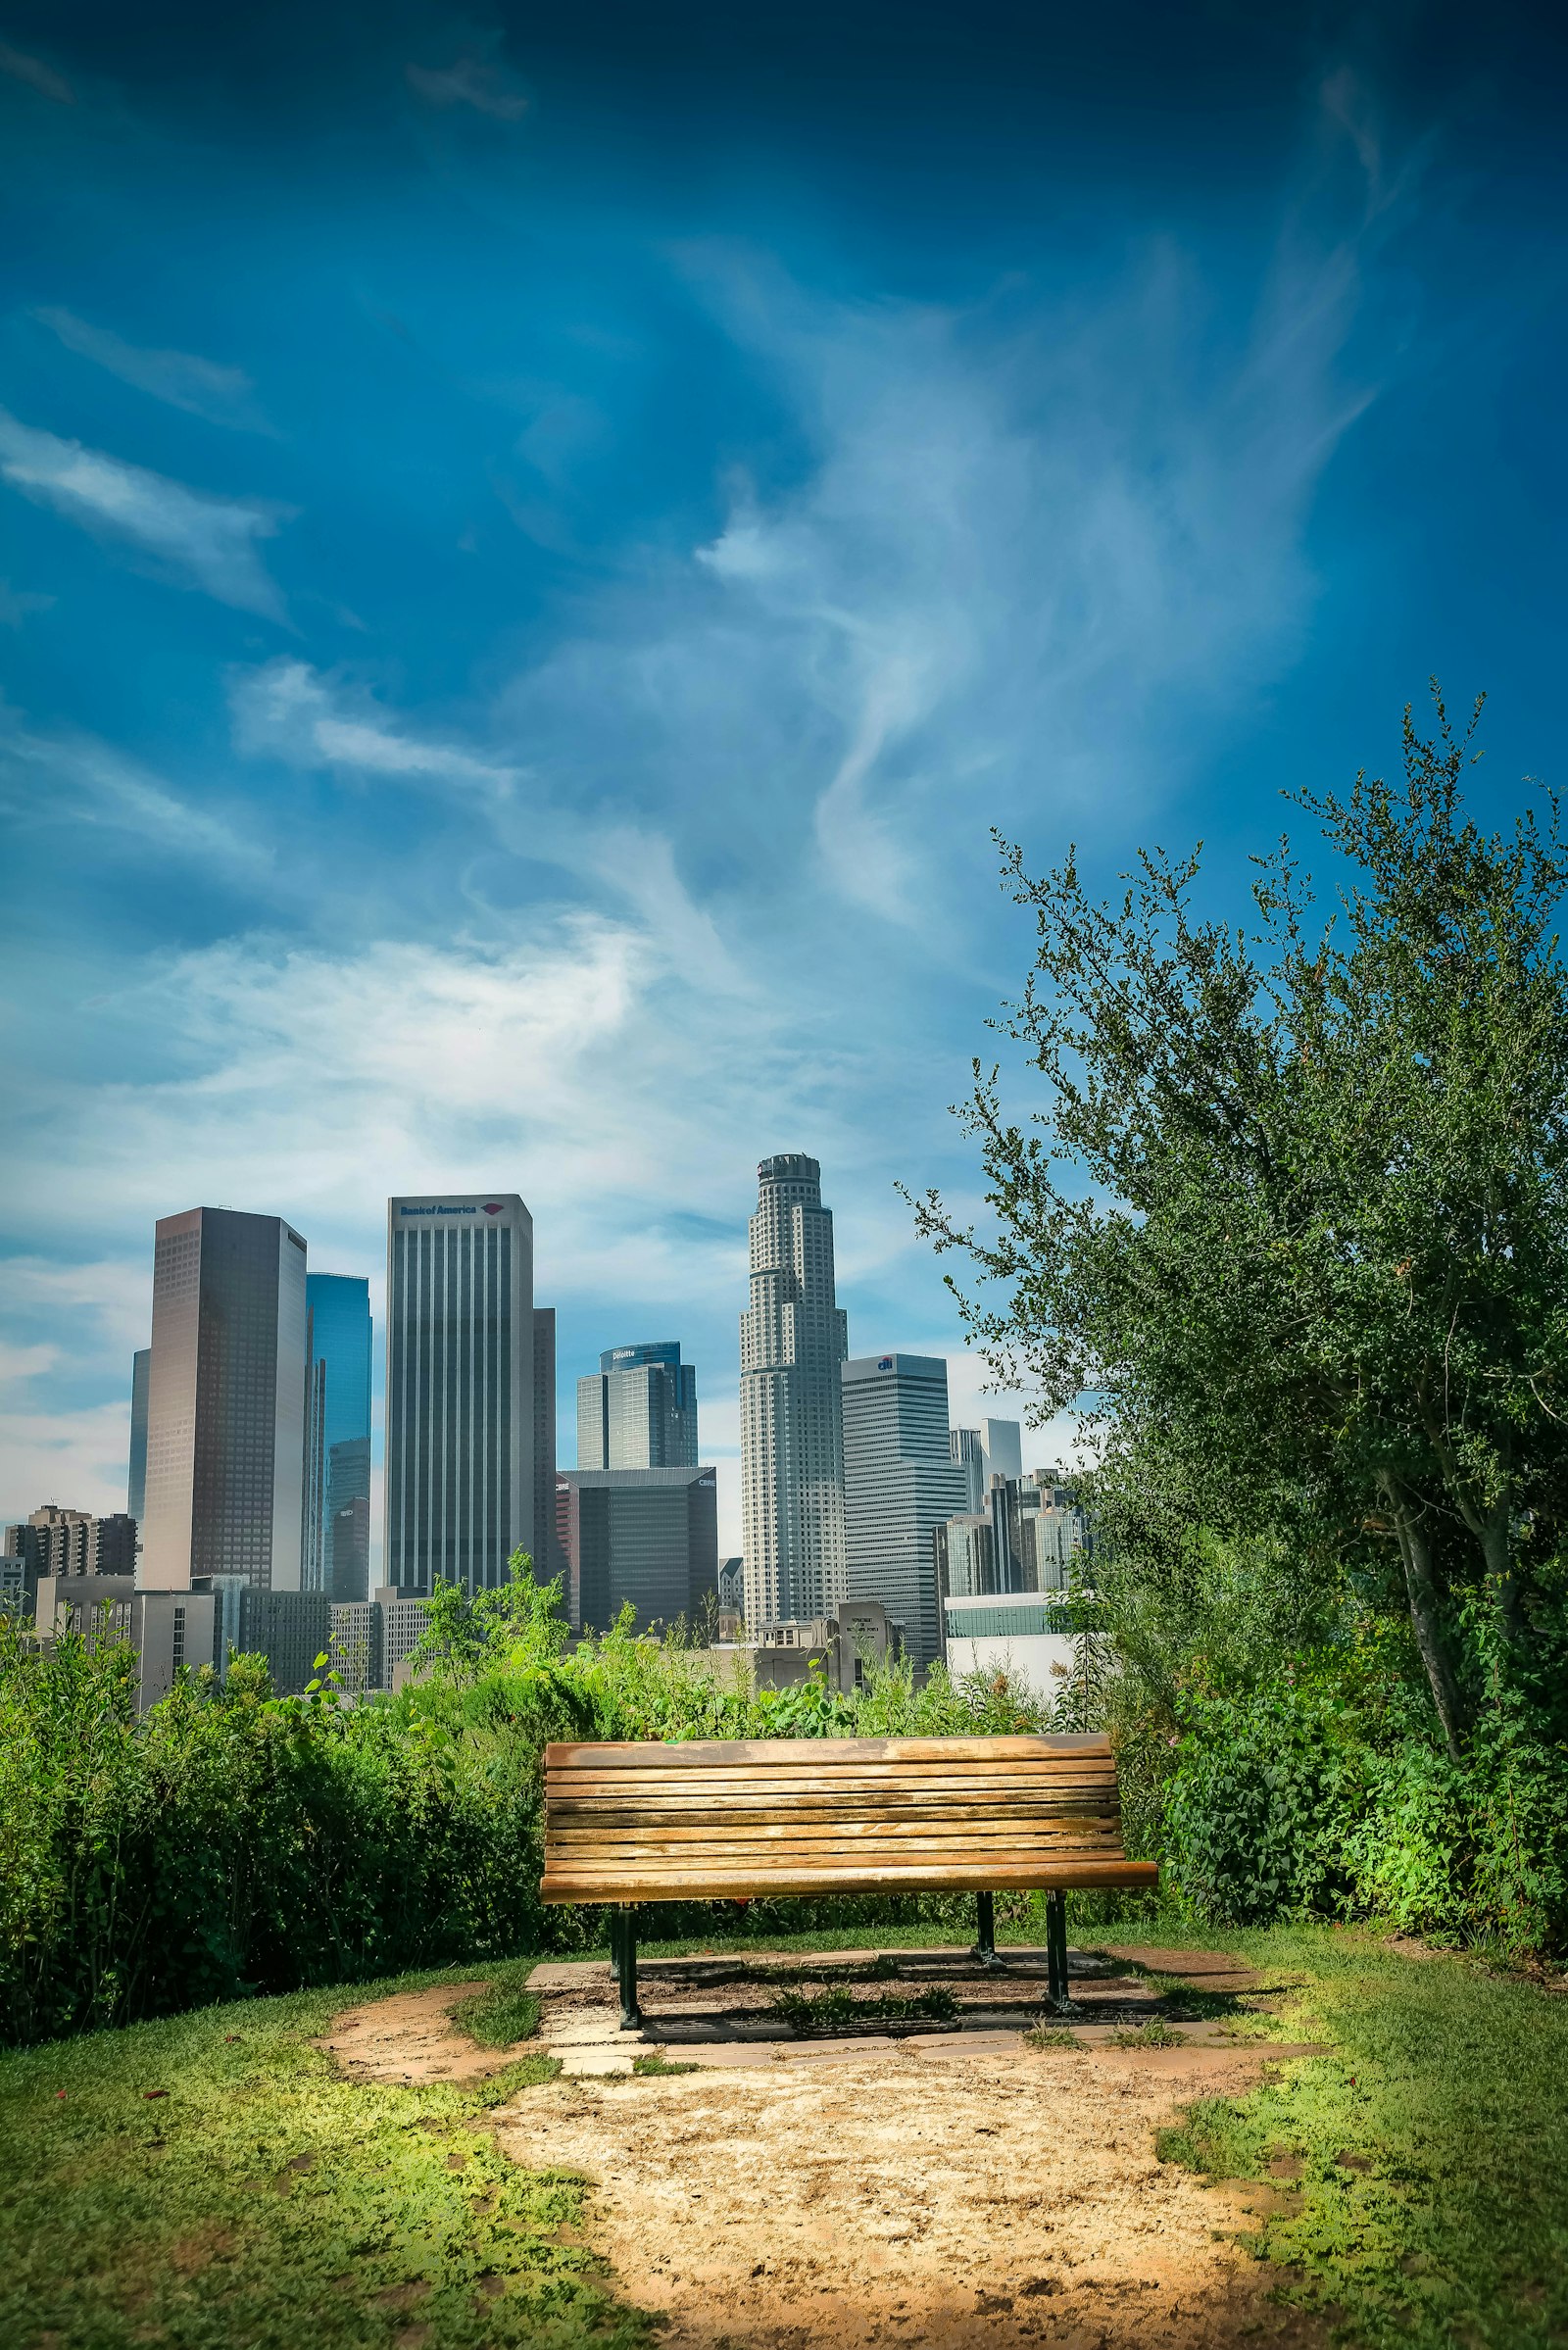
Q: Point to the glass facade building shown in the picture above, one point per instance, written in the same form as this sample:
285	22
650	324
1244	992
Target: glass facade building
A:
225	1402
638	1410
794	1336
338	1471
460	1430
141	1371
900	1483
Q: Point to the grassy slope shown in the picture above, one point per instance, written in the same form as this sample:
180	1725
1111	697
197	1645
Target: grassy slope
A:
179	2221
263	2202
1430	2149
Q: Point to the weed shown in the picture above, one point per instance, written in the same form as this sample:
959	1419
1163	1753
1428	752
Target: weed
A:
838	2010
657	2066
1051	2035
1156	2033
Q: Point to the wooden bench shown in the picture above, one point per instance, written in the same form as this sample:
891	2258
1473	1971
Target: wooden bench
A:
720	1820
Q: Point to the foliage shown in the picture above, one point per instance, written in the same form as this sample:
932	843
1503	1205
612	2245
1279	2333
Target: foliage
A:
236	1841
1320	1286
258	2199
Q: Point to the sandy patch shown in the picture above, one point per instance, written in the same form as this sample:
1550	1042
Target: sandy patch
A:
950	2188
411	2037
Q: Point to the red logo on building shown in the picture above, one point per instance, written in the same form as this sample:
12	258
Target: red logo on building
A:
493	1207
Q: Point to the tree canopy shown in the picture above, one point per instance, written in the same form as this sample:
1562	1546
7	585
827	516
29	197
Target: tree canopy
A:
1291	1226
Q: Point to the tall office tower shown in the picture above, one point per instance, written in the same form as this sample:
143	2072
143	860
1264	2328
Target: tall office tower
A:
313	1507
340	1371
638	1410
650	1535
460	1405
549	1557
900	1483
993	1450
225	1405
793	1338
141	1366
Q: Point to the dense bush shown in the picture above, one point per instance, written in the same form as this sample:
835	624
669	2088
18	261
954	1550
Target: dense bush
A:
234	1841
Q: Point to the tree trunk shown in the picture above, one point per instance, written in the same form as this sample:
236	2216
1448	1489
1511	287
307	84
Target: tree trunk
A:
1422	1589
1503	1572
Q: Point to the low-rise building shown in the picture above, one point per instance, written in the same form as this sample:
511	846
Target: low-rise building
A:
1028	1634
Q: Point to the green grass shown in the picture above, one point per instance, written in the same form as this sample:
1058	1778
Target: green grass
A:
505	2012
1429	2149
657	2066
263	2202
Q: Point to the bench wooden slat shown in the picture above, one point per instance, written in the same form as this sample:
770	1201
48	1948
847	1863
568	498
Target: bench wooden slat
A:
714	1753
666	1885
635	1821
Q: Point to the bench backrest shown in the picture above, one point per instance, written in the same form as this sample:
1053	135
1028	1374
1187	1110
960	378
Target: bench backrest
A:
715	1820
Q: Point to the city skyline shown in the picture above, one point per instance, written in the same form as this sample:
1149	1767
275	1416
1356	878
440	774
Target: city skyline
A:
966	1380
536	693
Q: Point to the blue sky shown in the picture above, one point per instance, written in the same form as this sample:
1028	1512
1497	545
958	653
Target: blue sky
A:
537	545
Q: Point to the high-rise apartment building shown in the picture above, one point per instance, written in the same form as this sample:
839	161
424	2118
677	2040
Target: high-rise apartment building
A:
225	1404
648	1536
638	1410
993	1450
460	1434
338	1470
792	1340
141	1371
900	1483
56	1542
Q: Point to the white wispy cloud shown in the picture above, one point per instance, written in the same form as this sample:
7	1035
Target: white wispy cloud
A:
192	538
37	76
76	779
470	81
201	387
288	710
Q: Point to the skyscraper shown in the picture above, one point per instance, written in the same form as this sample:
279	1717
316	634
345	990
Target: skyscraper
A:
638	1410
549	1556
993	1450
792	1340
460	1389
650	1535
225	1404
141	1365
340	1368
900	1483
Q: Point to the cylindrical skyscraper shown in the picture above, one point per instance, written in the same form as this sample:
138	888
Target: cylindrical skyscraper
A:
792	1340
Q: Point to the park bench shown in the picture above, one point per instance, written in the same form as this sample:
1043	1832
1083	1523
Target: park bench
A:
735	1819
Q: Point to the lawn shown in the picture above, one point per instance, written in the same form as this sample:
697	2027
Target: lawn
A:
208	2181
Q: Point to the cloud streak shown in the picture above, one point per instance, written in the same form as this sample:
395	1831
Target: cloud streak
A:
200	387
191	538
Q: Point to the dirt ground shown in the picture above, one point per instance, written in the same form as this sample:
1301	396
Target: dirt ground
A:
950	2187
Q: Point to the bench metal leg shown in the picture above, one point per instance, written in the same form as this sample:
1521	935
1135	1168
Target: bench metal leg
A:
1057	1948
985	1939
624	1930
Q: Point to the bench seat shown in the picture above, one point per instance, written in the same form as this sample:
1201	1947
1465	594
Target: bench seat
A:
713	1819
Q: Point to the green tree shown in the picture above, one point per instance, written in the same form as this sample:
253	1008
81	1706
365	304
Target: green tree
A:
465	1629
1318	1278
